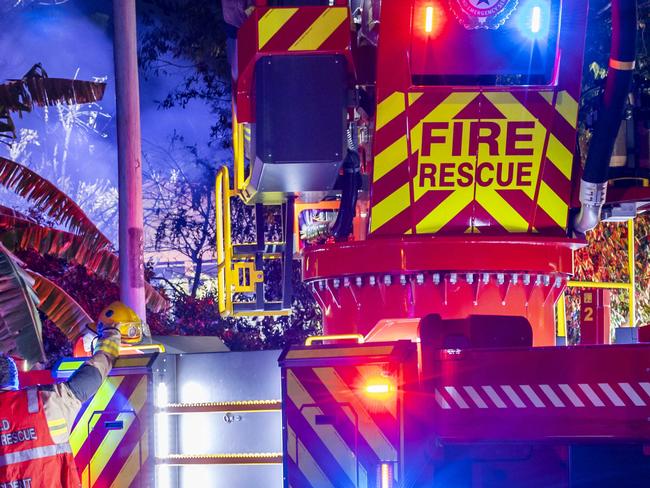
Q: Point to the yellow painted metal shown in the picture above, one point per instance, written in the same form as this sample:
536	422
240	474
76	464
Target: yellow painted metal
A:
561	316
246	276
594	284
335	337
224	241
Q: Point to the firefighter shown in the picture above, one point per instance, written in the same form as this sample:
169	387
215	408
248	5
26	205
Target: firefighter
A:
35	422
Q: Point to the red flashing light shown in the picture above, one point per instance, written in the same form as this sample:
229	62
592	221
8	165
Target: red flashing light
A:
434	17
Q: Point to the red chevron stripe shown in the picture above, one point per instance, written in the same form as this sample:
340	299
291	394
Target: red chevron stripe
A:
339	40
460	222
390	133
390	182
548	117
321	454
545	224
485	223
424	105
292	30
122	453
118	402
519	201
345	428
428	203
399	224
554	178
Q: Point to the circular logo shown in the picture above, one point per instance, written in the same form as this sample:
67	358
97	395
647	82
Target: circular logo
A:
483	14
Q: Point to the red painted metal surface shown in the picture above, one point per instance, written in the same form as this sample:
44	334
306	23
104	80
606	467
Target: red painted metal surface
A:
539	394
358	284
595	316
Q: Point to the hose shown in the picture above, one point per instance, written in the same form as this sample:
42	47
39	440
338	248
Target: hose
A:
342	227
593	186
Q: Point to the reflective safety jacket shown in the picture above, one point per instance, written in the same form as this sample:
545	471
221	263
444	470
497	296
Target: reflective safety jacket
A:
29	457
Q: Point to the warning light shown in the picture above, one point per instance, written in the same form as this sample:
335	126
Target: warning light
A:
536	20
378	388
428	23
386	475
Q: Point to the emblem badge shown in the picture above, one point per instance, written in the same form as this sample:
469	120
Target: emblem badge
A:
483	14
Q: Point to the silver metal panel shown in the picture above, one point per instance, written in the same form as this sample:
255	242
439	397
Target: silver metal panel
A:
221	377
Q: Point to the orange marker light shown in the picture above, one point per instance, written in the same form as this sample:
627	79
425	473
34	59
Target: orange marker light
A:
428	21
378	388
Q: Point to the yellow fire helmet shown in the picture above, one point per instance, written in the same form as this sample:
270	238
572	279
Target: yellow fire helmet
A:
122	317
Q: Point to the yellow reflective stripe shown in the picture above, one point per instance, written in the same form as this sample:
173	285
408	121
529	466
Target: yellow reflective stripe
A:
291	443
99	403
390	206
271	22
56	423
443	213
359	416
310	469
339	352
567	107
58	432
548	96
552	204
501	210
328	435
132	465
112	439
560	156
390	158
72	365
389	108
323	27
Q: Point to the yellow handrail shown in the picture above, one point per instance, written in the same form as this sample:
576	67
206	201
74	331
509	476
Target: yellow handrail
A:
224	247
629	286
335	337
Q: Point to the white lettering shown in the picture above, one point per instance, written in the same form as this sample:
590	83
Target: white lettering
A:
16	437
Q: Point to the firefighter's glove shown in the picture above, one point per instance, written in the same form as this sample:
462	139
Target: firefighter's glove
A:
108	341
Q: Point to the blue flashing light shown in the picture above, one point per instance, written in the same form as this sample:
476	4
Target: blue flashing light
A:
533	19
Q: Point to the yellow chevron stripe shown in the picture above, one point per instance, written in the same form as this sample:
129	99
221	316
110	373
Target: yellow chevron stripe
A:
443	112
567	106
548	96
98	403
323	27
328	435
292	445
389	207
390	158
501	210
132	465
389	108
552	204
509	106
414	97
271	22
443	213
359	415
560	156
113	438
310	468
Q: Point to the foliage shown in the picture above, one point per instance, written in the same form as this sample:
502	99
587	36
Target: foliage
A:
185	38
20	325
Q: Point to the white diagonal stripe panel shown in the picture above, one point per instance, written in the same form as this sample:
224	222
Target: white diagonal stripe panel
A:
496	399
532	396
456	397
646	388
555	400
571	395
441	400
514	398
476	398
591	394
611	394
633	395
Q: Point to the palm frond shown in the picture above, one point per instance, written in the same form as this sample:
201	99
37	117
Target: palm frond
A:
60	308
49	199
74	249
21	331
37	89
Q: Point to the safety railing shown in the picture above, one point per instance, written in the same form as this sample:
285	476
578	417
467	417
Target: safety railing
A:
628	286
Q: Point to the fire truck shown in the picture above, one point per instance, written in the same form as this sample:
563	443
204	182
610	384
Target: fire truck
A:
423	154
